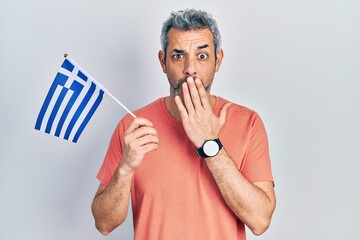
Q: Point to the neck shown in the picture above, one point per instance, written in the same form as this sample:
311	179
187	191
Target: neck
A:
173	110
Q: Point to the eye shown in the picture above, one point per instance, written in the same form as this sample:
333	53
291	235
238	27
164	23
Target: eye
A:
202	56
178	56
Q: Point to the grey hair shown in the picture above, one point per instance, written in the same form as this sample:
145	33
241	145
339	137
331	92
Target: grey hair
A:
190	19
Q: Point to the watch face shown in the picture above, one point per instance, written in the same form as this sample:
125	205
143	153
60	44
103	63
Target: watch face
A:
211	148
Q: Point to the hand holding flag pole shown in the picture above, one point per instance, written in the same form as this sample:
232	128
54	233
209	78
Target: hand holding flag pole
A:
71	101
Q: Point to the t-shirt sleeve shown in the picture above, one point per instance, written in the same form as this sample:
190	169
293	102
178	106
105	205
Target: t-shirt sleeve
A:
113	156
256	166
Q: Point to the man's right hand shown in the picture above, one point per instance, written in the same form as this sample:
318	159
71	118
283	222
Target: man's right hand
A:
140	138
110	204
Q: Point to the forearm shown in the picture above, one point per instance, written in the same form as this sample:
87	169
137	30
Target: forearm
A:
111	203
251	204
110	206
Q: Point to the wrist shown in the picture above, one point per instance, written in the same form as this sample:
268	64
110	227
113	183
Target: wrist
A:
125	170
200	143
210	148
222	153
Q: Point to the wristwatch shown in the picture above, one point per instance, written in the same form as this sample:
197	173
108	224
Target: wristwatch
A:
210	148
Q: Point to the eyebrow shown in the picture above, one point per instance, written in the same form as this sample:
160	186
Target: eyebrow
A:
203	46
178	50
182	51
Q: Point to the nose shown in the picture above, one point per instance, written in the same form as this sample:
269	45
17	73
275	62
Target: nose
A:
190	68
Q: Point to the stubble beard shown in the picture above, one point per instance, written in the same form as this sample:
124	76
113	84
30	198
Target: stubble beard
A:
175	87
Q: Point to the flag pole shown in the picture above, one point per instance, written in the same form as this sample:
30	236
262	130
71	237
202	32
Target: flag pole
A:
101	86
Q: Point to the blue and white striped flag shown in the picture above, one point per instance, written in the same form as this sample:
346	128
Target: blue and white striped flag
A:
71	101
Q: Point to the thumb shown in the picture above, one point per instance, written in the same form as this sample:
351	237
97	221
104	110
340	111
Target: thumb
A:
223	112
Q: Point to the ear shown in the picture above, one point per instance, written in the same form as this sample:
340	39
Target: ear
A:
219	58
161	57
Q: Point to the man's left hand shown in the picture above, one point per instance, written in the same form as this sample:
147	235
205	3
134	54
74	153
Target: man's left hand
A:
199	121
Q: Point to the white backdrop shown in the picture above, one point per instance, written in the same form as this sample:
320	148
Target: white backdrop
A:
297	63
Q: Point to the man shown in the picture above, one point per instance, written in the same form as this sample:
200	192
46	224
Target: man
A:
196	165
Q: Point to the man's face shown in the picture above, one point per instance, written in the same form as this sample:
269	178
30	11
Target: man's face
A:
190	54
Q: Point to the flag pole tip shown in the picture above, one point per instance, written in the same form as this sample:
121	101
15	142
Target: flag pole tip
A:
65	55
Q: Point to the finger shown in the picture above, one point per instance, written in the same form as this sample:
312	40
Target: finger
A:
202	94
223	112
138	143
187	99
136	123
147	139
144	130
149	147
181	108
195	98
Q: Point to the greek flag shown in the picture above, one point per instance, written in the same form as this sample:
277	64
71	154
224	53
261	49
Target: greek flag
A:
71	101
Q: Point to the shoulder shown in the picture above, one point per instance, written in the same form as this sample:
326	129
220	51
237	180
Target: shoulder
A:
242	118
238	111
149	108
148	111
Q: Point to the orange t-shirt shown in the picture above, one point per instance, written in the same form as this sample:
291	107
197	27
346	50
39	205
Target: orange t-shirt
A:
174	195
